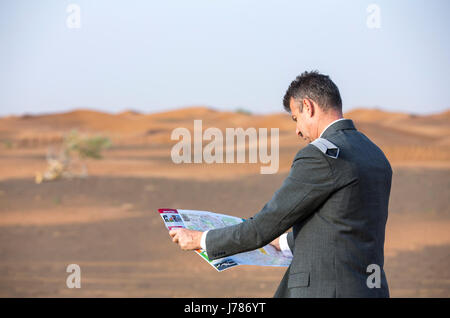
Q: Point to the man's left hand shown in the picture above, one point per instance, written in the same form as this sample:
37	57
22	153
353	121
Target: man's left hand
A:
186	239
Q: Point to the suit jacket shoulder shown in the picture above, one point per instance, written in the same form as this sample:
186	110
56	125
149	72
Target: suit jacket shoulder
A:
311	165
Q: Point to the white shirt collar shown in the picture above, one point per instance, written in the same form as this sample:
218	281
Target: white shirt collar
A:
331	124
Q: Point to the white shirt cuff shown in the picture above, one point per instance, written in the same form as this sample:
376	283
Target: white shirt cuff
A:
284	246
203	240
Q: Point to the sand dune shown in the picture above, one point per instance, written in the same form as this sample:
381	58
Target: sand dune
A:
403	137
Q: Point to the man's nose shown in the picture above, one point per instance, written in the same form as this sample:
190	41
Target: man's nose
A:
299	133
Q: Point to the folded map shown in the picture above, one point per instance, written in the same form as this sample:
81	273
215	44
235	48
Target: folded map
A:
204	220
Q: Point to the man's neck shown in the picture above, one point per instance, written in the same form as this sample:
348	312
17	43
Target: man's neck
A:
327	121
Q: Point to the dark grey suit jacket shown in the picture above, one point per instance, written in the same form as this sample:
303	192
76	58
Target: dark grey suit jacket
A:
338	209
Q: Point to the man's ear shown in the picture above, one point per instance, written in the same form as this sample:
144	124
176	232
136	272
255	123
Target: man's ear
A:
309	106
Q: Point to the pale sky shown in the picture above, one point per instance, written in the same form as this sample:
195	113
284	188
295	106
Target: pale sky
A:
153	56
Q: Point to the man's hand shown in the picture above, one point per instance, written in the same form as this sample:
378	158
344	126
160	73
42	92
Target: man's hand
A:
276	243
186	239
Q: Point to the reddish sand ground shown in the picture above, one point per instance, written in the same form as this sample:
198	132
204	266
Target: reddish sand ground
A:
107	223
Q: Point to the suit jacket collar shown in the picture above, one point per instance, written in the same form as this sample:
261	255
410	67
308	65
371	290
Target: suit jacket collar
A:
338	125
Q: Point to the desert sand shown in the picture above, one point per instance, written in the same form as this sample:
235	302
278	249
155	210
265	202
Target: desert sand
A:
108	223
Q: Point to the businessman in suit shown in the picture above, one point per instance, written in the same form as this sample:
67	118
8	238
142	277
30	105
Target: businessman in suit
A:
335	199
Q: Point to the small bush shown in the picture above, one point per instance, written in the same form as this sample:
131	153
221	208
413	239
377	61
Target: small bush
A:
85	147
243	111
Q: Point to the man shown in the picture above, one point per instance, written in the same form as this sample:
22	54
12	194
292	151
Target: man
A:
335	198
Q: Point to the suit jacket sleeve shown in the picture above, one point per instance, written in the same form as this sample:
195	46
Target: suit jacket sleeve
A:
290	241
308	185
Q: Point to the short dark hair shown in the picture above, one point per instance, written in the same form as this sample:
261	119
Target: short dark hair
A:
318	87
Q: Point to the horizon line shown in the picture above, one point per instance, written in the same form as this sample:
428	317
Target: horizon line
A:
211	108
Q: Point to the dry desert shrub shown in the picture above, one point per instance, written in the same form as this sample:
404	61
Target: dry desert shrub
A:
67	161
